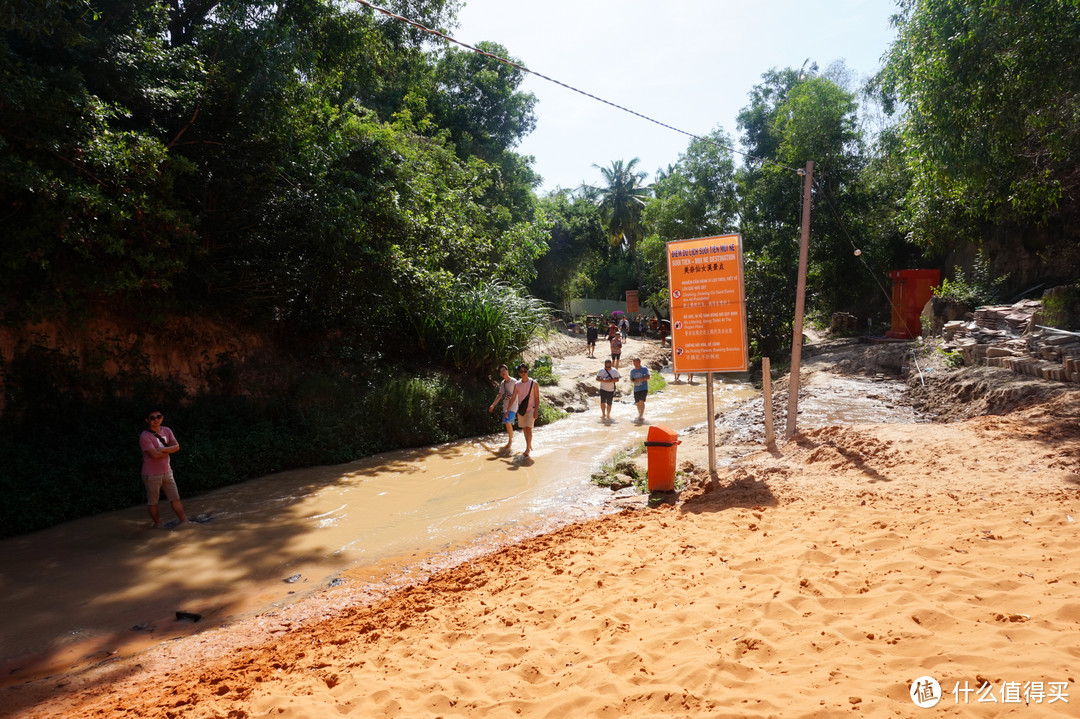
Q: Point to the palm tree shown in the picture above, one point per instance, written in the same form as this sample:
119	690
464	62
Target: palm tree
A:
622	200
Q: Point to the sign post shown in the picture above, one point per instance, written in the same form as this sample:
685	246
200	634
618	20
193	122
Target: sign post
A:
708	312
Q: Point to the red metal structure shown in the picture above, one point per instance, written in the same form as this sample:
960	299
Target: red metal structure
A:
911	290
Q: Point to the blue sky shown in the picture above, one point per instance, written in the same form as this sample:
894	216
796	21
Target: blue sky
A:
687	63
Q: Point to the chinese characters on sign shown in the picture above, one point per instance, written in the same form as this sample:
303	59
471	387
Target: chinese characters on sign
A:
708	311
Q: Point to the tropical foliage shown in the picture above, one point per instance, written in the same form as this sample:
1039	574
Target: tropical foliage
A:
988	95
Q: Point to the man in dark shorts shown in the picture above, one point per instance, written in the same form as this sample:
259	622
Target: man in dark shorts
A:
607	377
591	334
639	376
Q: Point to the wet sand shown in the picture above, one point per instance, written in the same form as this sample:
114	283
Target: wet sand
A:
822	578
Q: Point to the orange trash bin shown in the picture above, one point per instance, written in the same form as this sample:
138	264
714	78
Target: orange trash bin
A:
660	444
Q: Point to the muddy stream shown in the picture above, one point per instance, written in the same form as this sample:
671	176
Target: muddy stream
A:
107	586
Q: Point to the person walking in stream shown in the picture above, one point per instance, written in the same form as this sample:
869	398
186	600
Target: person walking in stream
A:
607	378
527	398
509	405
591	334
616	349
639	376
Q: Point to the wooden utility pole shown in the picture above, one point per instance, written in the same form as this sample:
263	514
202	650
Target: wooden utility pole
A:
766	392
800	301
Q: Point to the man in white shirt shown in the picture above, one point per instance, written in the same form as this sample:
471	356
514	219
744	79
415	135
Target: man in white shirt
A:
607	378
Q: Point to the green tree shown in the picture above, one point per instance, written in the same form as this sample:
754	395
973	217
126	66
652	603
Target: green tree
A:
304	165
476	98
622	198
576	236
695	197
988	94
795	116
87	178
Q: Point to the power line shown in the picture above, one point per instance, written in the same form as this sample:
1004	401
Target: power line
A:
858	252
444	36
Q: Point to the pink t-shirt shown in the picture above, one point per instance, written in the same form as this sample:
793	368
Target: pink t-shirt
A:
147	441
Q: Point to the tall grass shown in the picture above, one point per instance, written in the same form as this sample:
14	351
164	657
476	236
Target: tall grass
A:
483	323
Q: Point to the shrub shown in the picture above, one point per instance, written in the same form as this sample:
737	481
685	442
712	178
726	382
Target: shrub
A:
1061	307
482	323
978	289
542	372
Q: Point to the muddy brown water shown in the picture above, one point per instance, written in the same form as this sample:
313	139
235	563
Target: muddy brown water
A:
107	586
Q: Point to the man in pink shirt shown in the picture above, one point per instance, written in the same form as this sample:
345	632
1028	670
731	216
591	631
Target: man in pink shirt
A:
157	443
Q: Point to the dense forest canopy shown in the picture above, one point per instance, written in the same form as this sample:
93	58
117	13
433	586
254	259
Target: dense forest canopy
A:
319	167
988	96
349	186
312	164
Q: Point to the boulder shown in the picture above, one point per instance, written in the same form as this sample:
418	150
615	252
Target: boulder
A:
938	310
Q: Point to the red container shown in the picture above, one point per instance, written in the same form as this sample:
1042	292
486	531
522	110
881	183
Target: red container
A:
911	290
661	444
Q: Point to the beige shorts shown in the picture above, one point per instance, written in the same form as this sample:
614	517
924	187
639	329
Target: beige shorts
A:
156	483
526	420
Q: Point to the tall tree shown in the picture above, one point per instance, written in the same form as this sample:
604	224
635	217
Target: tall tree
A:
87	176
577	235
695	197
991	135
622	198
794	117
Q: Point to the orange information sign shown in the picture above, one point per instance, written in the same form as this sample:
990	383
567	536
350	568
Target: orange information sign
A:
708	307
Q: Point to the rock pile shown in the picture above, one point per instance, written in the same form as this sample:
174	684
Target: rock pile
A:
1012	337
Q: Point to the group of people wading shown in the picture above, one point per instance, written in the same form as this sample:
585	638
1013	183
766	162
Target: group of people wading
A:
520	401
521	398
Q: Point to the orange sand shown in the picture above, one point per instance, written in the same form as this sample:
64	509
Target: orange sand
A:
818	580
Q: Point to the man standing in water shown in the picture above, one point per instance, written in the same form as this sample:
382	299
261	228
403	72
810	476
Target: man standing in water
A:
509	407
607	378
157	443
639	376
527	397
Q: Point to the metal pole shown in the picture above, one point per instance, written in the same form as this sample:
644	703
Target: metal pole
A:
800	297
712	424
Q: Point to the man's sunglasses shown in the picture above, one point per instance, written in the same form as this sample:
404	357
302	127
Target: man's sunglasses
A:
156	416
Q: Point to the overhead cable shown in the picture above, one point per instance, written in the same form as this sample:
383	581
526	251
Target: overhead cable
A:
858	252
521	67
